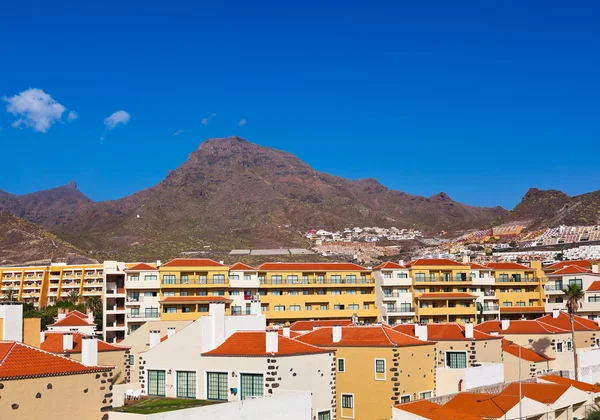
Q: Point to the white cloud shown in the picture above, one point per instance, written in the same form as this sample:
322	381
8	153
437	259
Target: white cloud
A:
243	122
35	108
207	119
119	117
178	132
72	116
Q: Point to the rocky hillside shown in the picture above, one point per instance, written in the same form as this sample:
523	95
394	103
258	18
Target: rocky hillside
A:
233	193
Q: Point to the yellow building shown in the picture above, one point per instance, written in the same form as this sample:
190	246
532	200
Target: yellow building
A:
376	367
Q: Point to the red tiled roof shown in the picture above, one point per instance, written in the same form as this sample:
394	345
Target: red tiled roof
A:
389	265
562	264
571	269
594	287
575	384
507	266
483	405
312	267
522	326
54	344
433	261
309	325
447	331
72	320
522	309
253	344
446	295
194	299
193	262
432	411
142	267
564	321
18	361
361	336
526	354
293	334
476	266
241	267
79	314
544	393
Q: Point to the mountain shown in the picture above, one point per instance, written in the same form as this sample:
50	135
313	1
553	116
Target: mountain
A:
550	208
23	242
233	193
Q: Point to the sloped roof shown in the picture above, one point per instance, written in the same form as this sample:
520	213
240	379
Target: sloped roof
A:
79	314
389	265
582	386
561	264
241	267
507	266
311	267
476	266
20	361
309	325
594	287
433	261
570	269
483	405
432	411
192	262
72	320
53	343
447	331
564	321
253	344
522	326
544	393
526	354
142	267
362	336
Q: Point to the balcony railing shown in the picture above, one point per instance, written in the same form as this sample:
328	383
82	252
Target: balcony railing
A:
517	280
395	294
494	308
441	279
144	315
199	280
401	309
316	281
553	288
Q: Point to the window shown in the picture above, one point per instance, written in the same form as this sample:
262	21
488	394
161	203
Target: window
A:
219	278
516	277
419	290
279	308
186	384
387	275
338	307
276	293
304	279
186	309
183	293
366	306
320	292
347	401
293	293
503	277
424	395
150	277
308	307
363	278
336	292
151	312
305	292
168	279
423	305
169	293
135	296
264	308
185	279
234	293
569	345
456	359
320	279
336	279
351	279
576	282
465	304
236	310
247	277
261	279
323	307
559	347
520	303
252	385
134	277
506	303
405	307
170	310
218	293
591	299
203	308
380	369
401	275
420	277
276	279
295	308
216	386
234	277
353	307
351	292
324	415
202	279
132	360
517	290
461	289
405	398
292	279
341	365
156	383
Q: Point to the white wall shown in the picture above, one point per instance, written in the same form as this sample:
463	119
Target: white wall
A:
291	406
447	379
13	321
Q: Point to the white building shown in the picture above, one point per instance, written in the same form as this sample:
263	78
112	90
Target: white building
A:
142	295
393	294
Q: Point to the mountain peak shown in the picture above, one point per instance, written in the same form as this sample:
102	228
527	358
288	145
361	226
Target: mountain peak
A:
71	184
441	196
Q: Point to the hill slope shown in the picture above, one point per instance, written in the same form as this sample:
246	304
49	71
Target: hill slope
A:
233	193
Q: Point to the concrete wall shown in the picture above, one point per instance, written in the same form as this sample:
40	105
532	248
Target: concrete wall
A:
69	397
31	331
291	406
528	369
119	359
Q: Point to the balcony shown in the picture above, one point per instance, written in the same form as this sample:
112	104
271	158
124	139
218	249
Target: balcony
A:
553	289
483	281
142	316
400	310
443	279
316	282
491	309
518	280
395	295
195	281
396	281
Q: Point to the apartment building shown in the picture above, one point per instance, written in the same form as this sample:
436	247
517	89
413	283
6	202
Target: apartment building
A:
394	292
587	279
376	367
142	296
44	285
113	301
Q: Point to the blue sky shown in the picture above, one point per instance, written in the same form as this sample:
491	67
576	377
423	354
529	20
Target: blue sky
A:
481	100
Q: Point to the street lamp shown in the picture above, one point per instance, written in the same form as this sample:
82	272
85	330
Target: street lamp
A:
510	343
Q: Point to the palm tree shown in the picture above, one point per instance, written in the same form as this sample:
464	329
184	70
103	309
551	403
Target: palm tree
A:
94	304
574	295
11	292
73	297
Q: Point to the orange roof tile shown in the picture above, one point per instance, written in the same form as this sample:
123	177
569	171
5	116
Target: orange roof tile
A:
72	320
522	309
594	287
526	354
507	266
575	384
311	267
253	344
389	265
564	321
562	264
483	405
309	325
522	326
433	261
79	314
193	262
544	393
476	266
241	267
570	269
432	411
447	331
293	334
142	267
53	343
361	336
19	361
445	295
194	299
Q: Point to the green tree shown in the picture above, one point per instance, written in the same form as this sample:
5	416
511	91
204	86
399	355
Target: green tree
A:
94	304
593	413
574	295
73	297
